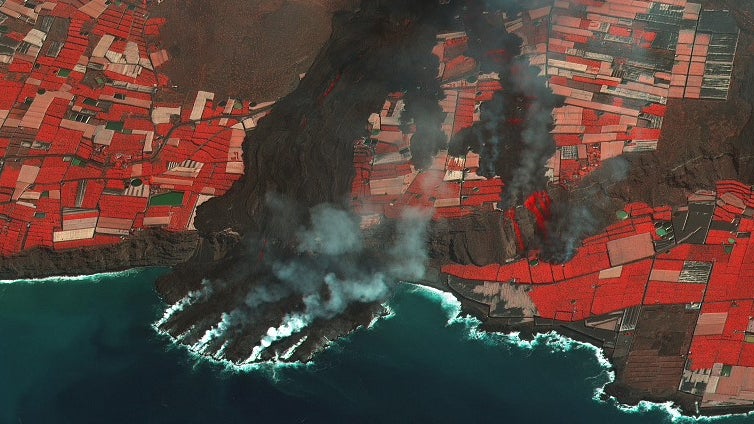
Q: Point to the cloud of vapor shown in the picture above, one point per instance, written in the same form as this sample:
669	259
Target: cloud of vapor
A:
193	296
301	265
333	232
409	253
331	267
512	136
339	271
586	211
265	293
292	324
538	145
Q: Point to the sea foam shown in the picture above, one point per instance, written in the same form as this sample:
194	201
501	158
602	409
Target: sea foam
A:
557	343
94	278
269	368
551	340
389	314
673	413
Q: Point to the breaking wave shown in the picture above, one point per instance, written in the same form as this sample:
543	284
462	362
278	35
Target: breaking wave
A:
449	303
269	368
557	343
93	278
389	314
550	341
672	412
290	325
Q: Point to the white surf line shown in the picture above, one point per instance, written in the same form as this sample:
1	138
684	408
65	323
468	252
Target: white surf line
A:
558	343
449	303
289	352
96	277
178	306
252	363
673	412
292	323
389	313
173	309
270	366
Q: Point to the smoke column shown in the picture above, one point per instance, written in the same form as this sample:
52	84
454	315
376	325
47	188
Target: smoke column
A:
332	267
538	145
584	213
512	136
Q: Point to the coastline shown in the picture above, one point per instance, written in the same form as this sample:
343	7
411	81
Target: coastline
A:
96	277
460	311
346	358
616	389
677	408
149	248
160	248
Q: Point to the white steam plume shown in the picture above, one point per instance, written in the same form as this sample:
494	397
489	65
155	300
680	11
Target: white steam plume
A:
333	269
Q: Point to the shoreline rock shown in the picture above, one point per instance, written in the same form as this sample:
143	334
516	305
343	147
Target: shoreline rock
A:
142	249
687	160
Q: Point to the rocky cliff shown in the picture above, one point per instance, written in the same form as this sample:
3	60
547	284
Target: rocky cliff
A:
145	248
299	157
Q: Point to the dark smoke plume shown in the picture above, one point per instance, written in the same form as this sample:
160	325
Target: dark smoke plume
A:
490	45
585	211
422	109
513	135
538	145
489	42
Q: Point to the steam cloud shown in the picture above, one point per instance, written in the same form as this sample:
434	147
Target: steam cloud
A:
332	266
307	271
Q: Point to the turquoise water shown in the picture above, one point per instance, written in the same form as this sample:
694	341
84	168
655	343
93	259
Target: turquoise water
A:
82	351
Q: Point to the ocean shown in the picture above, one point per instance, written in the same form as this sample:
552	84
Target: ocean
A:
82	350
